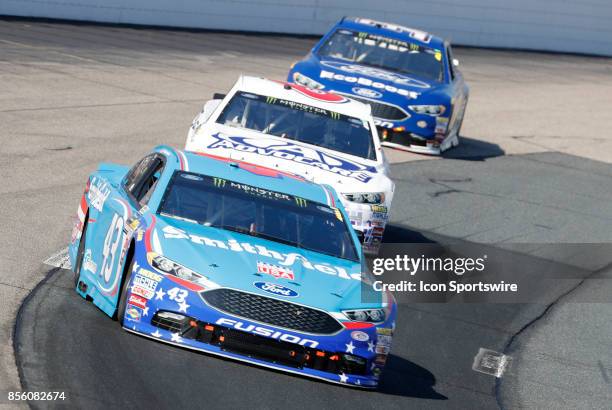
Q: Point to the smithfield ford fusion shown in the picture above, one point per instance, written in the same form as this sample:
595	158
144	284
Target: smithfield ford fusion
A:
409	77
232	259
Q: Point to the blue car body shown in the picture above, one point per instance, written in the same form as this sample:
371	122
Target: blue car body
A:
240	284
400	100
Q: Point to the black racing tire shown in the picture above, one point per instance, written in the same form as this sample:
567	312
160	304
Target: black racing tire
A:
80	254
122	305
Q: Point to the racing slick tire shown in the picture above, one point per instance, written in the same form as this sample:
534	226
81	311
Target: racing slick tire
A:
125	281
80	254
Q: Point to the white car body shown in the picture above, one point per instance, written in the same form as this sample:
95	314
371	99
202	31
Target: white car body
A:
346	173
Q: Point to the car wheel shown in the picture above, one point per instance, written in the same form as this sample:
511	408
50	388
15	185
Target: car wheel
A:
80	254
124	290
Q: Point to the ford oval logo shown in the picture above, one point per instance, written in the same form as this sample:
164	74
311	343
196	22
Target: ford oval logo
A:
366	92
275	289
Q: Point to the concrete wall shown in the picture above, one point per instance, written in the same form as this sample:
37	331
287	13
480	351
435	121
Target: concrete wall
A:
582	26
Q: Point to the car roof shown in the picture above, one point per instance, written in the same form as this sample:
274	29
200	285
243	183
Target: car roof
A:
301	94
250	174
392	30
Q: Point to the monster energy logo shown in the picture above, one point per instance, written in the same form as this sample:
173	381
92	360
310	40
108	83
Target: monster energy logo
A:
219	182
362	35
301	202
334	115
271	100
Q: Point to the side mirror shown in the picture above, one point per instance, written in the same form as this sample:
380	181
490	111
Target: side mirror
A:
218	96
455	62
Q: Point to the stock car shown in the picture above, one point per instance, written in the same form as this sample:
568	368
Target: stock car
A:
226	257
409	77
323	137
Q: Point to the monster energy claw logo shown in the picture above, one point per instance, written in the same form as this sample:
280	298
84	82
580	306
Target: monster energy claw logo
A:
301	202
334	115
219	182
271	100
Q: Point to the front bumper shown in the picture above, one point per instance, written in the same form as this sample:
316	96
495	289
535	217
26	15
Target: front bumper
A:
178	314
433	144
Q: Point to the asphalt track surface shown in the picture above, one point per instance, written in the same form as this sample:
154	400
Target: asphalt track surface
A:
75	95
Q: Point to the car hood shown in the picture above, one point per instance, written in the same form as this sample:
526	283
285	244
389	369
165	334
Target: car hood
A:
345	173
234	260
370	82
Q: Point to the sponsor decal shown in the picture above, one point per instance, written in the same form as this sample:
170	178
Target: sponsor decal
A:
219	182
441	125
366	92
380	215
381	359
378	208
360	336
137	301
376	73
145	282
318	94
276	289
88	263
290	151
99	190
264	331
144	292
148	274
133	313
419	35
77	230
275	270
284	259
386	331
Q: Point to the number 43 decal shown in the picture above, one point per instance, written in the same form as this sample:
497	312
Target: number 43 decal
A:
111	244
178	295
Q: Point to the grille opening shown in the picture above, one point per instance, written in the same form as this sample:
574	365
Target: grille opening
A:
272	311
382	110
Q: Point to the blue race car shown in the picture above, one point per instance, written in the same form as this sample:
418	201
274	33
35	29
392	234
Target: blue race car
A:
408	77
233	259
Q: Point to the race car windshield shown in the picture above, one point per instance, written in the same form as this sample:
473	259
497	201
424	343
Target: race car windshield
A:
386	53
299	122
255	211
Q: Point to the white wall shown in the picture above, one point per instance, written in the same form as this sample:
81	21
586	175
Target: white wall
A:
583	26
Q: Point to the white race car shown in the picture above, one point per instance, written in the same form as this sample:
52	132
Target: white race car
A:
323	137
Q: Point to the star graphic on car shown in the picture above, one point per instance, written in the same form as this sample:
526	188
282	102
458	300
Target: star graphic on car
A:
159	295
350	347
343	378
156	333
176	338
183	307
371	346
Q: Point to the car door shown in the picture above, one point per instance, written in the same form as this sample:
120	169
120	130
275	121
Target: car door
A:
114	226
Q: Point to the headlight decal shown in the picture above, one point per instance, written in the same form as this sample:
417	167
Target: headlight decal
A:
433	110
180	274
306	81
